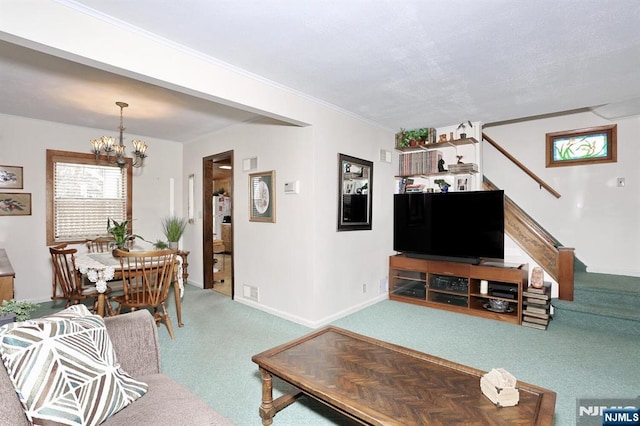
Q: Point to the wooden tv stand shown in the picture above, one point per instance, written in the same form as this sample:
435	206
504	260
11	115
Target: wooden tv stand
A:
456	286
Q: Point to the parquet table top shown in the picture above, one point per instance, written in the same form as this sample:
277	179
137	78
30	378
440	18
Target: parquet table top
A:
380	383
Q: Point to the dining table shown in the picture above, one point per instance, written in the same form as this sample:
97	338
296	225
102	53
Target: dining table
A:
100	268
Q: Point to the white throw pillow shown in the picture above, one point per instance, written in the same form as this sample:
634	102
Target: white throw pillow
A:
64	368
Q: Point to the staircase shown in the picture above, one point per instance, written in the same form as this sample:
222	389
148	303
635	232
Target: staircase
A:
608	303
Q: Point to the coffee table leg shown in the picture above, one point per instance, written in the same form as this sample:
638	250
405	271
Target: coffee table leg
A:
267	409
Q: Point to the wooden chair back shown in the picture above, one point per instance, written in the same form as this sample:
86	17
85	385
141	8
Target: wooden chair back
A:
66	277
100	245
147	277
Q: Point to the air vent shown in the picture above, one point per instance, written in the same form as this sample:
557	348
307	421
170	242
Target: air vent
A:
249	164
251	292
385	156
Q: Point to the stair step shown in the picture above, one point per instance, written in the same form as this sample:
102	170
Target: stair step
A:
607	282
616	291
598	317
605	297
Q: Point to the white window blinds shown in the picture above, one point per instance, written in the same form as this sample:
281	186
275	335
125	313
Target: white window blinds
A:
84	197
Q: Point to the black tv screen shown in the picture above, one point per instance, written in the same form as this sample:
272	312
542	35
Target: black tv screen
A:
455	226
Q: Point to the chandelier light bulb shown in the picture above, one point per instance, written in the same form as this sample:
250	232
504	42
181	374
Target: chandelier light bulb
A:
115	150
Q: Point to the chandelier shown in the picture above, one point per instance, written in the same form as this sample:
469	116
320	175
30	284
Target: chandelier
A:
115	152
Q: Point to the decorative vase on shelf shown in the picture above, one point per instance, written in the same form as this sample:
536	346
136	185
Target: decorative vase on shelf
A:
537	277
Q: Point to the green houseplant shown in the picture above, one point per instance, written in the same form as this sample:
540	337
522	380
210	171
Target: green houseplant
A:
120	233
173	228
443	184
11	310
415	137
160	245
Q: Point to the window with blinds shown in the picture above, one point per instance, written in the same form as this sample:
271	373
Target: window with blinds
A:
84	196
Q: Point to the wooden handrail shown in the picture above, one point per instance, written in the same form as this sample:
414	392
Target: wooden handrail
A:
541	246
524	168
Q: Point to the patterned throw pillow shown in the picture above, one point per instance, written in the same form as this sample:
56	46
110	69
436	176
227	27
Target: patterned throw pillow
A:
64	368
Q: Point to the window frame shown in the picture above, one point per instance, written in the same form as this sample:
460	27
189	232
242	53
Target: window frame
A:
611	132
54	156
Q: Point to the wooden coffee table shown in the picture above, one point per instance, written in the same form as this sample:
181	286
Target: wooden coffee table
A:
378	383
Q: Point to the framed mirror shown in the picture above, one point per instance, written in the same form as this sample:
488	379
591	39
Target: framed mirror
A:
355	188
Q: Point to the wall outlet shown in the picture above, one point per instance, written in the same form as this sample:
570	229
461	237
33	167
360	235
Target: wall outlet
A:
364	288
620	182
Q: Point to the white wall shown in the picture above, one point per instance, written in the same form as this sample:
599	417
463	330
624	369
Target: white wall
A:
23	142
344	261
593	215
304	269
270	256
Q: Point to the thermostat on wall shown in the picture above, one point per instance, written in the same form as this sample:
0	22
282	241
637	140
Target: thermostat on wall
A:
292	187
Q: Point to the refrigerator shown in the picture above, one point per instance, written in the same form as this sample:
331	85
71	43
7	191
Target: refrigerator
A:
221	214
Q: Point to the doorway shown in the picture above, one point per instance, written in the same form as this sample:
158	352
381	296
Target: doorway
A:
217	229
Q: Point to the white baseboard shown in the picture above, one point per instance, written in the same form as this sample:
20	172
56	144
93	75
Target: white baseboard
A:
305	321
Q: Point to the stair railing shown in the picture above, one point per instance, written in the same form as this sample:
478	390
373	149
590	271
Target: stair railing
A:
522	167
534	240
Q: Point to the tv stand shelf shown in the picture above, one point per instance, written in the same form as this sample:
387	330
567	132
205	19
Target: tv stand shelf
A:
456	286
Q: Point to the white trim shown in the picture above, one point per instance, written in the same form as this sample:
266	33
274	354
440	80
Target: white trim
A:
197	54
312	324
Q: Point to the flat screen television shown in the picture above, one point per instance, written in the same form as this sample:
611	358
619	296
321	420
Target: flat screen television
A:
454	226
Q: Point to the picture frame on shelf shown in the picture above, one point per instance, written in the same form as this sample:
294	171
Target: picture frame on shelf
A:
11	177
262	197
463	183
15	204
591	145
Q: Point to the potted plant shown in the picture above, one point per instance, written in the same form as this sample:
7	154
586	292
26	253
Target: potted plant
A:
402	141
443	184
160	245
120	233
463	126
173	228
12	310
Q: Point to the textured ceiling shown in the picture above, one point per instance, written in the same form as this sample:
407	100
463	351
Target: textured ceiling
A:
396	63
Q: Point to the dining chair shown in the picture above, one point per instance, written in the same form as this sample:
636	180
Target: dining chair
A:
66	278
104	245
147	277
100	245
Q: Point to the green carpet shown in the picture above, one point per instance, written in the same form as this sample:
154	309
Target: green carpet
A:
211	354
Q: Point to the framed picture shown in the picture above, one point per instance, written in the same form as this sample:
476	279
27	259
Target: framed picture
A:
582	146
11	177
463	183
262	197
15	204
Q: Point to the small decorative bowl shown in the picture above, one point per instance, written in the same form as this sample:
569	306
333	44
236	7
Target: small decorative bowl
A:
498	305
